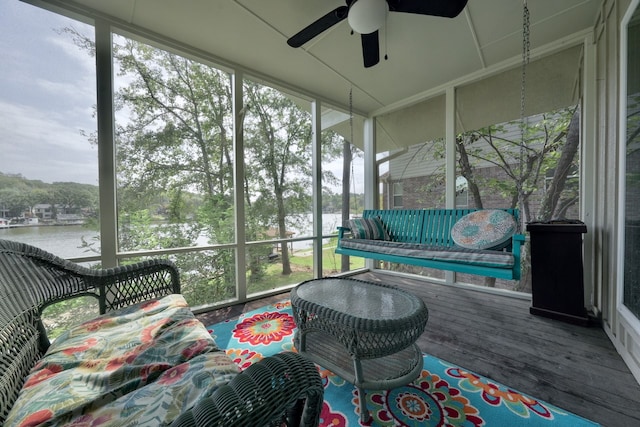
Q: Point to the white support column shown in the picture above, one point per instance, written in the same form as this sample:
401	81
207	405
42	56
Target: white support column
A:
371	191
450	143
588	168
316	167
238	184
106	145
450	160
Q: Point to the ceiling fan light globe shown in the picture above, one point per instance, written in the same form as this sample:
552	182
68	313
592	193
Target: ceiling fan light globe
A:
367	16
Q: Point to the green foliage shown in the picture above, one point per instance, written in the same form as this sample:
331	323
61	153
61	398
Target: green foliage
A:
20	195
257	262
207	277
526	153
176	209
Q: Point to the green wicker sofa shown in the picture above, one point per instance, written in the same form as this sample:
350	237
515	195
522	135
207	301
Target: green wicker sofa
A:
146	361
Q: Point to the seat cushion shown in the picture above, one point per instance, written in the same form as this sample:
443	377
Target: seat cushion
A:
484	229
99	361
484	258
156	404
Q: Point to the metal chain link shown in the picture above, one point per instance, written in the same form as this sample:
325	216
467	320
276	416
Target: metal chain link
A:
525	56
525	60
351	112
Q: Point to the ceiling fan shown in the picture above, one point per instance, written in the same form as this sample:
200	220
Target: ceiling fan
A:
367	16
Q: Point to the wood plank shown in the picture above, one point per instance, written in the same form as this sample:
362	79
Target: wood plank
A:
573	367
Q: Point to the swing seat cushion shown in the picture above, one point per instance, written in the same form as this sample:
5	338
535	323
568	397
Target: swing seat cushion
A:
459	255
484	229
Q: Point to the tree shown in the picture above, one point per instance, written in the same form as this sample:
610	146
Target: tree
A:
279	135
553	205
178	139
14	201
175	143
72	196
548	144
525	161
278	138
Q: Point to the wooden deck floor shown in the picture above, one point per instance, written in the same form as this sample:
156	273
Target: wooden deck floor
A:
573	367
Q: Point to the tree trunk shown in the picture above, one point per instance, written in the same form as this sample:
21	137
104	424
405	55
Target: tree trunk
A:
284	249
550	202
466	170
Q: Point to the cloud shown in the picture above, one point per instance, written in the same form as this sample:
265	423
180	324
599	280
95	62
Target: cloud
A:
38	146
65	44
47	94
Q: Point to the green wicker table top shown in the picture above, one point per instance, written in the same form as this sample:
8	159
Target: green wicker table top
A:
369	319
358	299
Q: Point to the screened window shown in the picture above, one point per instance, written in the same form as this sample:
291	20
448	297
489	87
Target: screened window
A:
462	192
48	160
174	164
398	192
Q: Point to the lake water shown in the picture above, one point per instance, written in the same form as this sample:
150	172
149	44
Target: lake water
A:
66	241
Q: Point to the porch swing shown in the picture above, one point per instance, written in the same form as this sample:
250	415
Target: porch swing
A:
484	242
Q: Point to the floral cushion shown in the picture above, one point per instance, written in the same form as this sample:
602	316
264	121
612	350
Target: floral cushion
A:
368	228
484	229
133	356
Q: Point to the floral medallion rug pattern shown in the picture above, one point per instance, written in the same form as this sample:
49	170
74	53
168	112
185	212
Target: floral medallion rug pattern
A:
443	395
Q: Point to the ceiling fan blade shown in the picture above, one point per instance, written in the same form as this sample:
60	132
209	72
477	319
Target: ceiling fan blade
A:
370	49
318	26
444	8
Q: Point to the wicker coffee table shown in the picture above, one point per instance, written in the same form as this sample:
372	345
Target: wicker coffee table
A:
364	332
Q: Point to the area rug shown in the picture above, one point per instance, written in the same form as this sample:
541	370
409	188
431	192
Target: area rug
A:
443	395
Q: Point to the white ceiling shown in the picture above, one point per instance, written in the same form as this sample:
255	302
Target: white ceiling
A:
425	52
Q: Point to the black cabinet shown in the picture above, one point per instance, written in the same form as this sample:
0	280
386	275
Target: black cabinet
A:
556	270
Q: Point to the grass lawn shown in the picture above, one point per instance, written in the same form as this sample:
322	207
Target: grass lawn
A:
302	269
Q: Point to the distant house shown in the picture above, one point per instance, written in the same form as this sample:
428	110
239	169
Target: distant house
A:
43	211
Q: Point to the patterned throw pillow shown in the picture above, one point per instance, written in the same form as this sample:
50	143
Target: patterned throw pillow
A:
484	229
368	228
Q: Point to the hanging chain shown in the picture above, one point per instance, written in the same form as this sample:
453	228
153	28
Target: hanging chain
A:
351	112
525	60
525	56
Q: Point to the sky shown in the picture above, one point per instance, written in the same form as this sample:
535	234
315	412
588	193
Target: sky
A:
47	95
47	99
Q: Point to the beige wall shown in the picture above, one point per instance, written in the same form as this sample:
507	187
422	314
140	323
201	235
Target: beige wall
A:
602	260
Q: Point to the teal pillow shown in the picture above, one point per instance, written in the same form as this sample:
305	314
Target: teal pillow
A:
484	229
368	228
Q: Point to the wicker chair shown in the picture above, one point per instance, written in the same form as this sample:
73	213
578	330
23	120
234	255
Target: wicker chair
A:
282	389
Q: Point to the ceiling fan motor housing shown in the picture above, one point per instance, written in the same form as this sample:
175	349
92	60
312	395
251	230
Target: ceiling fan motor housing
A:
367	16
